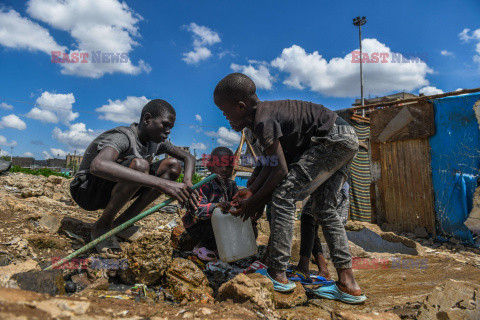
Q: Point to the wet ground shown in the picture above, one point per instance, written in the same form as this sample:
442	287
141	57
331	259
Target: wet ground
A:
44	224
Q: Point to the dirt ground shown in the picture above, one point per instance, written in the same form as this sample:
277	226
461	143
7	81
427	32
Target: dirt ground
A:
39	221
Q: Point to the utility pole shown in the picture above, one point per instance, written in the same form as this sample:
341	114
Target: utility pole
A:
11	154
359	22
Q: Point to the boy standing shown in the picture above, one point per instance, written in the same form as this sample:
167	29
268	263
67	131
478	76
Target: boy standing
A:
117	167
313	148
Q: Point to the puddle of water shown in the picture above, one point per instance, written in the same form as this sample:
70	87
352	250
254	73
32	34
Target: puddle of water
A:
372	242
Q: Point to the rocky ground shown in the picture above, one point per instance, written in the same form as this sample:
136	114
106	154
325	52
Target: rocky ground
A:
156	279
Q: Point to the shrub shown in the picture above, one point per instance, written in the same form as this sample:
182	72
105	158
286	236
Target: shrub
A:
38	172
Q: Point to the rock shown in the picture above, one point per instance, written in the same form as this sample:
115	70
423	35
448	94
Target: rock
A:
7	272
99	284
262	240
63	308
50	282
55	179
186	281
51	222
31	192
354	226
148	258
421	232
46	241
352	315
70	287
454	300
455	241
254	288
181	240
289	300
81	280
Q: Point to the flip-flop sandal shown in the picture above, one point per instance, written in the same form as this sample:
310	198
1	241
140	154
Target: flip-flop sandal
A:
204	254
257	265
109	243
132	233
278	286
333	293
312	281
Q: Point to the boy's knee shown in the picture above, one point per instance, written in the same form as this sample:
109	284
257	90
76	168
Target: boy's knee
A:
139	164
171	167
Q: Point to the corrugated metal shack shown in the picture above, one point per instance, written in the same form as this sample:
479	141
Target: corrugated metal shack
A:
424	163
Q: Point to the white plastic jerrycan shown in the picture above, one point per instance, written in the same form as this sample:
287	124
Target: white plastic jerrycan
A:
234	237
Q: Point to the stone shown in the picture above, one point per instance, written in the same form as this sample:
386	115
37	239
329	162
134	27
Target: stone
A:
148	258
51	222
7	272
50	282
181	240
292	299
254	288
353	315
186	281
453	300
46	241
421	232
63	308
31	192
55	179
99	284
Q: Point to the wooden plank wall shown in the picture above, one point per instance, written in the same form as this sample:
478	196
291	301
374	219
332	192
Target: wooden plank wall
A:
407	185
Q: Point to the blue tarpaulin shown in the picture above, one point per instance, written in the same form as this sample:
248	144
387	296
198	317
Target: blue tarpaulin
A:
455	151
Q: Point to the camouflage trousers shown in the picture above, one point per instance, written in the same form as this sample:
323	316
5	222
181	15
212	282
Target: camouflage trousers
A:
310	175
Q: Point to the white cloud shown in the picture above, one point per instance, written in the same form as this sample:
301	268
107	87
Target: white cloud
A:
198	118
429	91
13	122
198	146
225	137
126	111
54	107
339	77
77	137
21	33
4	153
4	142
466	36
202	37
6	106
58	153
46	155
109	26
261	75
28	154
447	53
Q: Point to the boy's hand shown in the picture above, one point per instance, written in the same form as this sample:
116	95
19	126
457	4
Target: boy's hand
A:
179	191
193	200
243	194
245	210
224	206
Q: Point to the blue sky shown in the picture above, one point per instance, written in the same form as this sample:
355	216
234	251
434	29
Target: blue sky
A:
179	50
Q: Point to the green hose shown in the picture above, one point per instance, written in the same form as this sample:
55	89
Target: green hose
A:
123	226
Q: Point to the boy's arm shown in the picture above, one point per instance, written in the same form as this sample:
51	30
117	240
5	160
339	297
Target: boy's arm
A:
271	176
205	208
105	166
189	164
188	161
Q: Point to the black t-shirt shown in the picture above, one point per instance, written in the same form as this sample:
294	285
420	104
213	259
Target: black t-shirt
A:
293	123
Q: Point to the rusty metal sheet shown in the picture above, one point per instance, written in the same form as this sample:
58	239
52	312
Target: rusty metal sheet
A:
407	185
413	121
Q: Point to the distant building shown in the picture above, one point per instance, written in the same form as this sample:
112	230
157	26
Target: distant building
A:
40	163
56	163
73	160
390	97
24	162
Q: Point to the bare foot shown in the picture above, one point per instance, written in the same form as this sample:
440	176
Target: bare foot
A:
347	283
322	267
